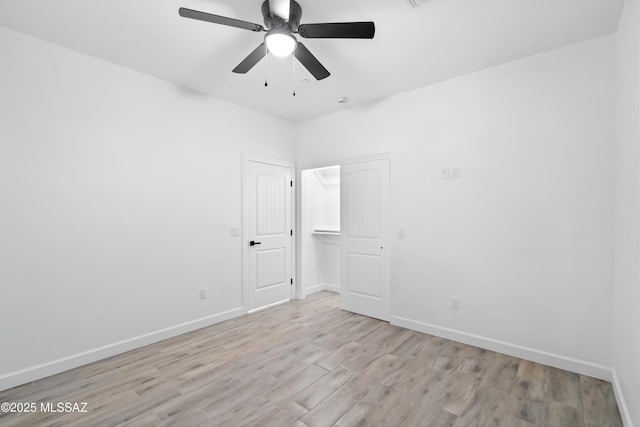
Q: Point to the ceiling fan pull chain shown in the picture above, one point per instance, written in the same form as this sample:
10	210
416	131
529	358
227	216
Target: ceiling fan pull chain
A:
266	65
293	62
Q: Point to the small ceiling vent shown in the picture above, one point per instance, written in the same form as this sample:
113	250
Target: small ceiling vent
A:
417	3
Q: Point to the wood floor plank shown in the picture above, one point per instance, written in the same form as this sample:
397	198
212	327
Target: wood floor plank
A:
500	373
565	387
217	405
529	390
599	402
308	364
324	387
285	414
189	401
511	421
561	415
287	389
411	346
335	406
245	414
490	408
136	410
336	358
533	371
150	420
383	367
531	411
460	390
381	406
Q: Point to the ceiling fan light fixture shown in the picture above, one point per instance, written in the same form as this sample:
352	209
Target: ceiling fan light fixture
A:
280	43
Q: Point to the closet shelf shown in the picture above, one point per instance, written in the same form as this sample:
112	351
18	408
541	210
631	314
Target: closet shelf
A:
326	232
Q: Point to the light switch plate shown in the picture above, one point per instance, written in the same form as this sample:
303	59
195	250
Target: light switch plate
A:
235	232
455	172
444	174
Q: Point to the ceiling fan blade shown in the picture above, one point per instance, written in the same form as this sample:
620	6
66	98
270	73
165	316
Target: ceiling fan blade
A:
338	30
310	62
280	8
216	19
250	61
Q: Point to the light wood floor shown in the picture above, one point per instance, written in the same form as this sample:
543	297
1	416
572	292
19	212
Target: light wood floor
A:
308	363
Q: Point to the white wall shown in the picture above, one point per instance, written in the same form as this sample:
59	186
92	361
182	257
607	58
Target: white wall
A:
118	192
626	303
331	197
524	236
328	250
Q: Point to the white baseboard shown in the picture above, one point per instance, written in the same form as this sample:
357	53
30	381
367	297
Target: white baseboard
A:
551	359
622	404
33	373
313	289
322	287
264	307
332	288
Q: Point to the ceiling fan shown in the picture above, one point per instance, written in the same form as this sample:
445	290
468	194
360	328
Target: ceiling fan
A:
281	22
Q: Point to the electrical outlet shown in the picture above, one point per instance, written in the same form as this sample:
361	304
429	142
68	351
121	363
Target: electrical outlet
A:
455	172
444	174
203	293
455	303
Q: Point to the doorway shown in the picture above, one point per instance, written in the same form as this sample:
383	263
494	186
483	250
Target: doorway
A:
353	194
320	230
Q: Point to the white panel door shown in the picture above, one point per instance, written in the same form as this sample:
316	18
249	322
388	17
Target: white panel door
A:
364	230
269	234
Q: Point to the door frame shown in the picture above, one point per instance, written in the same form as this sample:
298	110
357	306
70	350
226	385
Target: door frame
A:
299	291
246	158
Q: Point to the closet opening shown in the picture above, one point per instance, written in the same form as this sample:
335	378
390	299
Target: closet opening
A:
320	233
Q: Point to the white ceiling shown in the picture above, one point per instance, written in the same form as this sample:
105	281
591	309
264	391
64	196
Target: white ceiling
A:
413	47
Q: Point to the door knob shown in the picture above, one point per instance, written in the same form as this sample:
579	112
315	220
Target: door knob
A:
253	243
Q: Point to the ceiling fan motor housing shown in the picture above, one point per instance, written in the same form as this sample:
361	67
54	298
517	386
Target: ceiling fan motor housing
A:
275	22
